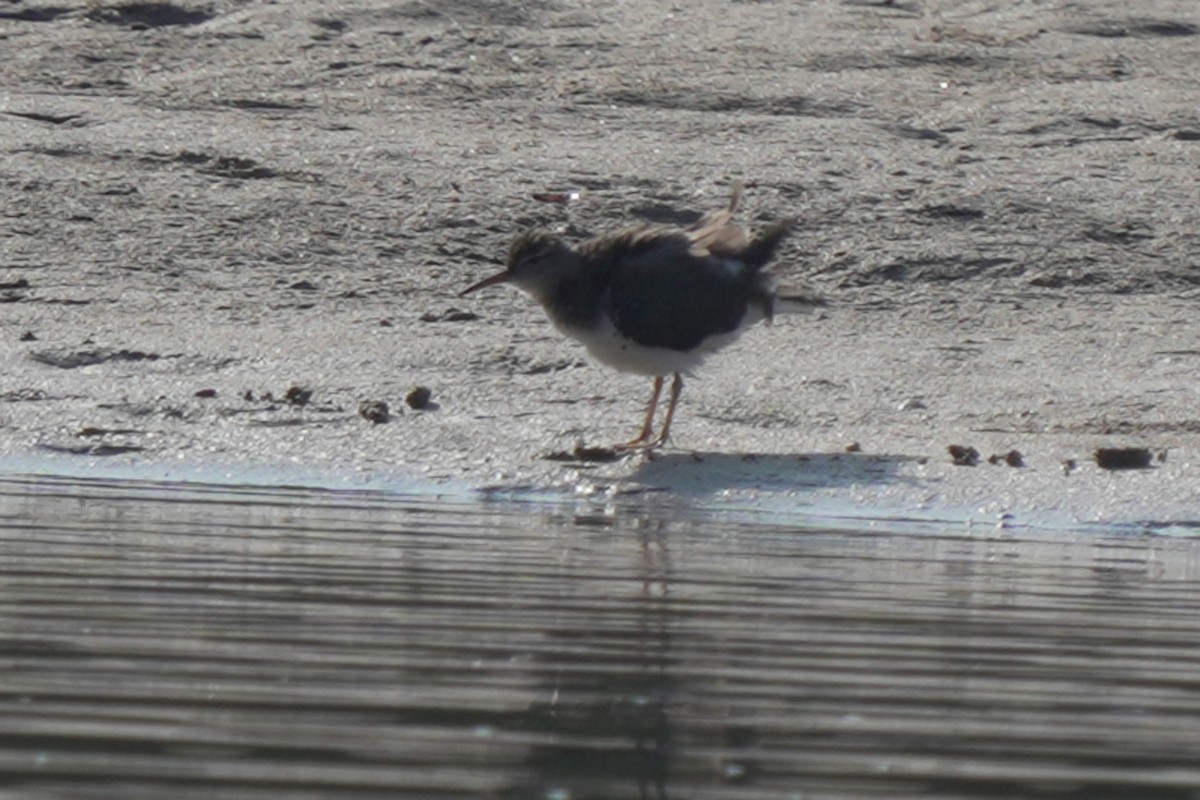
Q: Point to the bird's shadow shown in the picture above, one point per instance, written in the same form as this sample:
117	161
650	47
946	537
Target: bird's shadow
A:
705	472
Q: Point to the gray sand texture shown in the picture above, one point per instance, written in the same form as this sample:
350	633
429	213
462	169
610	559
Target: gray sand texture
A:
210	210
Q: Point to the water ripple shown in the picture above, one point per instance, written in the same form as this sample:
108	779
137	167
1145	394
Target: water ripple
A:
243	642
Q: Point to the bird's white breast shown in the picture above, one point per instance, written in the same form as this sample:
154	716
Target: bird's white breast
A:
605	343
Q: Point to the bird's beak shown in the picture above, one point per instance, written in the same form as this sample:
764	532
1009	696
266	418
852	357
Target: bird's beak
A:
500	277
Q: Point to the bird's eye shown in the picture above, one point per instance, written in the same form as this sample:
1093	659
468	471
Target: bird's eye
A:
543	252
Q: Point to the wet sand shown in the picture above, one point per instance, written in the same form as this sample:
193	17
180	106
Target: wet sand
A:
205	206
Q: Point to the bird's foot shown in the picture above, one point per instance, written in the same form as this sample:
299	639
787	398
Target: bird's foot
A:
642	444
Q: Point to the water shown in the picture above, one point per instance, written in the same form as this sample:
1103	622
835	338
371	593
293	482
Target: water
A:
215	642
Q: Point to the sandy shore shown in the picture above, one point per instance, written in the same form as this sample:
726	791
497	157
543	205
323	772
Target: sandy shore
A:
206	205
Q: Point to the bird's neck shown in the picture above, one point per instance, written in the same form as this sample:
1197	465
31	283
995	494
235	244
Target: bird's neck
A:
571	295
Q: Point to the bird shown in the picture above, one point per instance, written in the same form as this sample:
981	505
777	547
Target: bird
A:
655	300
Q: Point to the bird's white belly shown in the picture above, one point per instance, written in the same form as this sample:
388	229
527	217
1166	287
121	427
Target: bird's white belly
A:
607	346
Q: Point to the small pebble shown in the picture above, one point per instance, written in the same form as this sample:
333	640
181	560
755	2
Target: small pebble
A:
963	456
375	411
418	398
1123	457
298	395
1012	458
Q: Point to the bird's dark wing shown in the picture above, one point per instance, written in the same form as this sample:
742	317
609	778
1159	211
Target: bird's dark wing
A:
669	293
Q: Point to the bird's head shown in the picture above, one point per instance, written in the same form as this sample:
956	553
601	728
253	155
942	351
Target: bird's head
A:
537	261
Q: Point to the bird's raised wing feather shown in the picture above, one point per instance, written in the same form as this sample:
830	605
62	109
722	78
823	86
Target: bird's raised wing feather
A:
716	232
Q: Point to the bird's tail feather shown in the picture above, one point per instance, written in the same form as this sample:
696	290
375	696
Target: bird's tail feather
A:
762	249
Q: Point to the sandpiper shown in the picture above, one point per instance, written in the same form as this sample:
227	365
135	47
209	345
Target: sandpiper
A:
655	300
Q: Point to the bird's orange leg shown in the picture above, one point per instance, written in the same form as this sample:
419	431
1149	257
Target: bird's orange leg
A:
648	425
676	390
